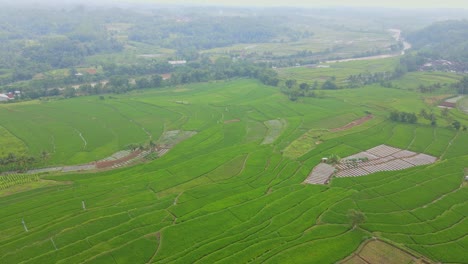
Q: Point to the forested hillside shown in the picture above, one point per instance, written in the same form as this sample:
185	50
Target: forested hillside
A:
443	40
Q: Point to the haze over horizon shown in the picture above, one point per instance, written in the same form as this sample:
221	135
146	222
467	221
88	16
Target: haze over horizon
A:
323	3
414	4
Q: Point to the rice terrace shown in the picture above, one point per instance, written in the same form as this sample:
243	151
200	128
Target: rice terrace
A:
225	135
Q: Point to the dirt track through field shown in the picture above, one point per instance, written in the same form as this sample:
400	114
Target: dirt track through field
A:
122	158
353	124
231	121
82	138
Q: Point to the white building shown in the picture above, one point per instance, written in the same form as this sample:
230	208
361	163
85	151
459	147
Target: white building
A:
180	62
4	97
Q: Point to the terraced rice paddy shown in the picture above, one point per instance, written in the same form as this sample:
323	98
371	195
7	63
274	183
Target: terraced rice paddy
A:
124	158
275	128
451	102
463	104
223	196
375	251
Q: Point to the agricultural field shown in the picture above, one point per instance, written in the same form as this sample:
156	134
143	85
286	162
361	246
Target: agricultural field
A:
337	41
10	143
463	105
412	80
375	251
339	70
223	195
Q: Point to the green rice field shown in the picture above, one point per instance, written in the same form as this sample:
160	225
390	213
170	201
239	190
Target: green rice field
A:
231	193
339	70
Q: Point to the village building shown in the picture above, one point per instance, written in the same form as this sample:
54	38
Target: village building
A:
178	62
4	98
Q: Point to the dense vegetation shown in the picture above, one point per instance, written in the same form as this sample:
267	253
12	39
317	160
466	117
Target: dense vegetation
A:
442	40
212	31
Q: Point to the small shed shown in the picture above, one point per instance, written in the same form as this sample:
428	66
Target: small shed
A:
324	160
178	62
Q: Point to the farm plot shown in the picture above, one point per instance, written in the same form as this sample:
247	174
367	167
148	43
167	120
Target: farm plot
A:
463	105
320	174
310	139
376	251
451	102
10	143
171	138
15	183
380	158
275	128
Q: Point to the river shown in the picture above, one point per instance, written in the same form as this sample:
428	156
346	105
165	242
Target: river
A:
396	35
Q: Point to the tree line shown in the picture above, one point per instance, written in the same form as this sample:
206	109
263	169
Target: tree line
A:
116	79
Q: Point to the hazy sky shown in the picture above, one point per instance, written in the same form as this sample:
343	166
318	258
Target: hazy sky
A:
310	3
370	3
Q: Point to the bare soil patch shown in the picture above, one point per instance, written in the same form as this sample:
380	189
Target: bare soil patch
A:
447	105
125	157
231	121
275	129
434	100
356	122
378	252
166	76
109	163
450	102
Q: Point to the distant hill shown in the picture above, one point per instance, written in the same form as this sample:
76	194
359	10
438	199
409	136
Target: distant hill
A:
442	40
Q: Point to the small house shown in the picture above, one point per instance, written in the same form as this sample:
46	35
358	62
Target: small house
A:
178	62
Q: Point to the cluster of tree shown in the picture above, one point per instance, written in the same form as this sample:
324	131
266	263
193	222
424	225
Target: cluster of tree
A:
362	79
208	31
368	53
409	63
223	68
462	85
40	40
429	88
67	52
403	117
428	116
294	90
13	162
457	126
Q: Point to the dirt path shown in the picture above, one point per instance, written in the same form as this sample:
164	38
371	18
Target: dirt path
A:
82	138
177	198
232	121
356	122
147	133
119	159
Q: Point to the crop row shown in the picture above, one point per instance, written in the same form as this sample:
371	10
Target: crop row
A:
7	181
